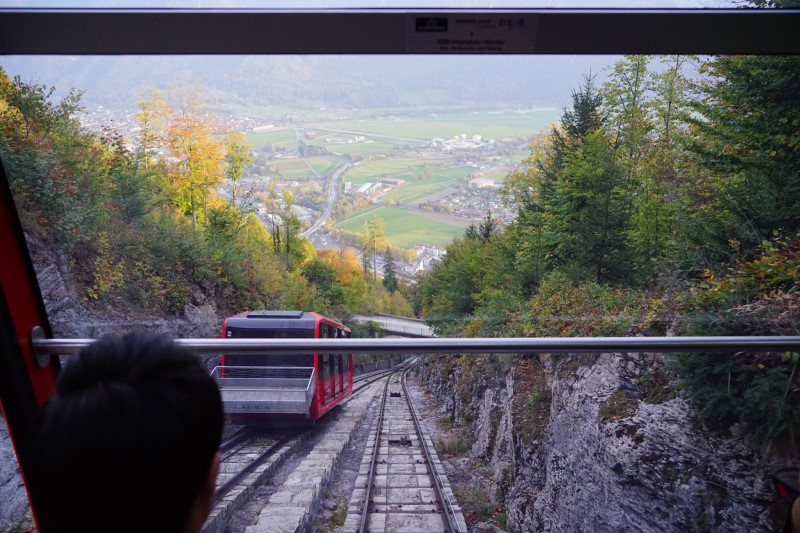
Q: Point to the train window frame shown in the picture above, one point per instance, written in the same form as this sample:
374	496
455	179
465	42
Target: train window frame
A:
337	31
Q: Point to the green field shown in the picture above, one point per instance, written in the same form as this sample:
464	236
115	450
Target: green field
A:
361	149
324	165
489	125
314	112
405	228
414	191
454	172
297	168
284	137
372	170
497	175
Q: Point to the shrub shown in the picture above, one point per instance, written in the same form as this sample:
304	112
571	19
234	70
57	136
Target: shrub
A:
476	502
756	297
455	442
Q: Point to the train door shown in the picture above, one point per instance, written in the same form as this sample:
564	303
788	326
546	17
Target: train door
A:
340	375
325	368
332	374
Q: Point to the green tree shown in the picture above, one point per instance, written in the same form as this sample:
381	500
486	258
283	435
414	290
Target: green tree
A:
573	196
591	211
237	157
153	111
450	291
748	138
389	273
488	228
374	239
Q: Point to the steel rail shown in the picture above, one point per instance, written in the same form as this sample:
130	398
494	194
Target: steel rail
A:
48	347
363	524
263	456
450	519
242	436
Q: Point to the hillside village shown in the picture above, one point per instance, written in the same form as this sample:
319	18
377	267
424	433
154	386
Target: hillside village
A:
475	196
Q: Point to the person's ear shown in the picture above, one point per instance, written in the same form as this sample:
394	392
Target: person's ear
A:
205	498
213	472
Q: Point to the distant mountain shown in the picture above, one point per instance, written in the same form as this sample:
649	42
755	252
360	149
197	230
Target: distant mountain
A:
344	81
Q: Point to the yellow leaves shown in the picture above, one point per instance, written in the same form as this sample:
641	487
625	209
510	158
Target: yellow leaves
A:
108	270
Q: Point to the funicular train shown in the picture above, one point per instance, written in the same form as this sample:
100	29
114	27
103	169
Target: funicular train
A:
273	387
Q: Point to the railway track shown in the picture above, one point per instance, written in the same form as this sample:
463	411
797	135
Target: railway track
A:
250	457
401	486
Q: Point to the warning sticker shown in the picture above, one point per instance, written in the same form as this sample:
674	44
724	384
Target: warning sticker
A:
471	33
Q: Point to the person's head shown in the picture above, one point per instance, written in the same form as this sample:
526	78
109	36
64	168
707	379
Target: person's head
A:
130	439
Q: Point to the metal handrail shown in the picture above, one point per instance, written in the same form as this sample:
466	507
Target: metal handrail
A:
49	347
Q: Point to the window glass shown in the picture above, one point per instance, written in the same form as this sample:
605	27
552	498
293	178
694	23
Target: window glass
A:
366	4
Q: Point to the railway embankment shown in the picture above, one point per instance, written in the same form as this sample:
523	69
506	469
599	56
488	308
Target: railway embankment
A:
592	443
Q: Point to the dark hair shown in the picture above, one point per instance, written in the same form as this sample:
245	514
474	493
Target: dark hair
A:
128	438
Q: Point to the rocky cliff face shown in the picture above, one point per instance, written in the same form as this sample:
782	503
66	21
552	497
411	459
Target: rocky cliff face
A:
603	443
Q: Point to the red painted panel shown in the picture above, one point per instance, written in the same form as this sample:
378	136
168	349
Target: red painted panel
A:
19	284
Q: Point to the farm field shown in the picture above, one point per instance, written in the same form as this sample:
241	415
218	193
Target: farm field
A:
489	125
498	175
419	189
406	228
454	172
284	137
361	149
372	170
297	168
280	113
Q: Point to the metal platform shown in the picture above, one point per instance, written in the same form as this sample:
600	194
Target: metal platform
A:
265	389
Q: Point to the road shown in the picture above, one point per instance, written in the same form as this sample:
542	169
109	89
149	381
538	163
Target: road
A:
399	325
333	189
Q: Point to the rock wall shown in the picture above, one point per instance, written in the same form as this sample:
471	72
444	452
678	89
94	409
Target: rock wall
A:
599	448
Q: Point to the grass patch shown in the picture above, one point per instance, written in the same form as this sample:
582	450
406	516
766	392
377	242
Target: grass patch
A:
490	125
283	136
419	190
340	513
475	502
405	228
618	406
372	170
530	405
296	168
455	442
360	149
454	172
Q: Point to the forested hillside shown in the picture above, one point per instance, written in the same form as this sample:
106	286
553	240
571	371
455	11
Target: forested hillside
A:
143	228
666	201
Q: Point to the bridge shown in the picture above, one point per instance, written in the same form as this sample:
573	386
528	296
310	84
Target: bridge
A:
401	326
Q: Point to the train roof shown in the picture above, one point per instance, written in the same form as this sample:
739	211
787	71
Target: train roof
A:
278	320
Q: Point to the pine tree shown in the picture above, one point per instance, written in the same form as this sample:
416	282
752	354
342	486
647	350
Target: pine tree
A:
749	139
389	274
